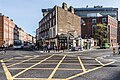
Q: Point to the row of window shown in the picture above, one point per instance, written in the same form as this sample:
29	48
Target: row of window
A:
95	21
44	34
48	34
47	18
48	25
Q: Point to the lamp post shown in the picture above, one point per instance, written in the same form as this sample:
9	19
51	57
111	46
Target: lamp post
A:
68	36
81	44
68	42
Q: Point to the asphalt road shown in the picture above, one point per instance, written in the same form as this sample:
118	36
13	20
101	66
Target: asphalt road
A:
31	65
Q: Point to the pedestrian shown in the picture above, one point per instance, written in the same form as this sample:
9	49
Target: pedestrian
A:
48	48
119	50
113	51
58	48
43	47
3	49
55	48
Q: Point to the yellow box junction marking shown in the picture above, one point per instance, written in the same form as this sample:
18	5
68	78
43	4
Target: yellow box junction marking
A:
79	74
50	77
47	68
21	62
32	66
8	60
99	62
36	79
81	63
7	73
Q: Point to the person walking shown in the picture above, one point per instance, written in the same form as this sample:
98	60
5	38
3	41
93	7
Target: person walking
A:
119	50
48	48
3	49
55	48
113	51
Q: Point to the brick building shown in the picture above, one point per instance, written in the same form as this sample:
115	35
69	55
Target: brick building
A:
57	25
118	32
90	23
9	32
16	32
6	30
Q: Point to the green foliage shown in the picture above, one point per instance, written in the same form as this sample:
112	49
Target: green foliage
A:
101	33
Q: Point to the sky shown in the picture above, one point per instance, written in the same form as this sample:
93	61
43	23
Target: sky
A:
27	13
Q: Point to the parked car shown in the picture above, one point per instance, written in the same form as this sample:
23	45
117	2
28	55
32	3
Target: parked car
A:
105	45
75	48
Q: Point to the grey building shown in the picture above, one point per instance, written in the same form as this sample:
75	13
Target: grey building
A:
83	12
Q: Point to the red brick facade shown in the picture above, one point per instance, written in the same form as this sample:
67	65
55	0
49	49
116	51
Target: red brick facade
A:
90	22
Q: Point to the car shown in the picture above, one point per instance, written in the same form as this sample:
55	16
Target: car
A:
75	48
105	45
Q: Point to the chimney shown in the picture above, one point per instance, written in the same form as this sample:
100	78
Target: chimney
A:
11	19
64	6
0	14
7	16
71	9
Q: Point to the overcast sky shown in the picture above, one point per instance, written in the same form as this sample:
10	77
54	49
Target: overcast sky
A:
27	13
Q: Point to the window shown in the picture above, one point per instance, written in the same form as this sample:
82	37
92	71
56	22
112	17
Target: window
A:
53	21
53	13
93	20
50	24
47	17
50	33
103	19
50	16
93	29
53	32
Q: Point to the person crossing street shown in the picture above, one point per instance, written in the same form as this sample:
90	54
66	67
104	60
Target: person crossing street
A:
119	49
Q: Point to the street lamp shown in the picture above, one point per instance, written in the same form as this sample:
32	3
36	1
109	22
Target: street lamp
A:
68	36
81	44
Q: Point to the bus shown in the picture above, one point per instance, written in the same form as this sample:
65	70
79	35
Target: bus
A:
18	44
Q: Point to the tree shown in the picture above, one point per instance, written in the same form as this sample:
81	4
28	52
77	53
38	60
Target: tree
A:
101	33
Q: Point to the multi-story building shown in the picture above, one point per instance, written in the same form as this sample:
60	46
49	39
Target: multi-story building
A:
21	34
91	22
9	32
6	30
57	24
16	32
83	12
118	32
29	38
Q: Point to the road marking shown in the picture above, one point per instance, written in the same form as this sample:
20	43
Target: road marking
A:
21	62
32	66
30	78
47	68
36	79
71	77
99	62
7	73
81	63
8	60
50	77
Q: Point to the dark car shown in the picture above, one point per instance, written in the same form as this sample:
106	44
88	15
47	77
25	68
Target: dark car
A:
75	48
